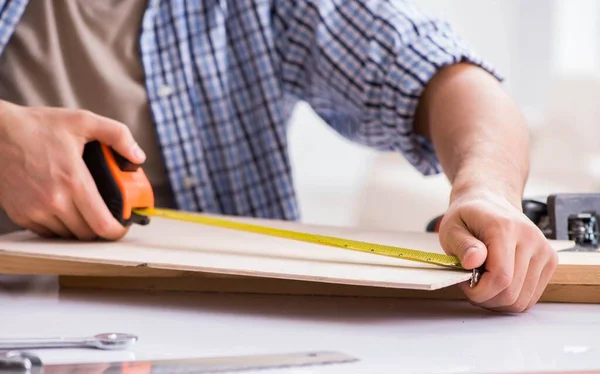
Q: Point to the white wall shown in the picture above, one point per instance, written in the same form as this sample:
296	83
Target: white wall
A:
329	171
488	26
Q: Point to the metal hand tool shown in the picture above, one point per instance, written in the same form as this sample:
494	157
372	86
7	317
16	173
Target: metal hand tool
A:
26	363
109	341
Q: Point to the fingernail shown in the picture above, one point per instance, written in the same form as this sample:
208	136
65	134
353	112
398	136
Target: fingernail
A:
469	252
137	151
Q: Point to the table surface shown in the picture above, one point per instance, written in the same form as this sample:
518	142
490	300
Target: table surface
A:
400	336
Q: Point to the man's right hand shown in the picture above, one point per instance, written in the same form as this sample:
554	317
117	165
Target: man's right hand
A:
45	186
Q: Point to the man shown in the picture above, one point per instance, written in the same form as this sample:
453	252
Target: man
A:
206	88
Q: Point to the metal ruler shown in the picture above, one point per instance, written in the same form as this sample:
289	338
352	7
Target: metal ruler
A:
27	363
378	249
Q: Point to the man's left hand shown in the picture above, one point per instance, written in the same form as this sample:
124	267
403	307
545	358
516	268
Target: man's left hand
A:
519	262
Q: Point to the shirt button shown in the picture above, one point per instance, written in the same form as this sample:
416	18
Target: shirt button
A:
189	182
165	91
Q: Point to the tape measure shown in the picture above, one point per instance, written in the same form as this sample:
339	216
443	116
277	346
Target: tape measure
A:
129	196
378	249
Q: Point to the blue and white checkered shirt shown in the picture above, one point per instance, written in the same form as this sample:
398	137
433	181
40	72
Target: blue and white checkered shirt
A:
224	75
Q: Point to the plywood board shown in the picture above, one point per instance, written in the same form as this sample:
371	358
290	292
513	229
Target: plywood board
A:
185	247
563	293
20	264
571	283
576	280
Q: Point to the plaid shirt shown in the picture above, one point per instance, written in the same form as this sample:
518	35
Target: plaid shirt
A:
223	76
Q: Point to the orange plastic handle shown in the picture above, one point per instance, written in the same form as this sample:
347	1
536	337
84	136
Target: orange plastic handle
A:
135	187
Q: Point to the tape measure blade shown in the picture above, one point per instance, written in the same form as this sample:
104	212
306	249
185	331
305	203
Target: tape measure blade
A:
372	248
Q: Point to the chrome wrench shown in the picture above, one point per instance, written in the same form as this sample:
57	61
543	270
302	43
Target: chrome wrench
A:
108	341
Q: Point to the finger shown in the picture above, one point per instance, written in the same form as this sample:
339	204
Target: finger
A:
92	207
111	133
58	215
31	221
456	240
55	225
544	279
39	230
75	222
516	297
499	266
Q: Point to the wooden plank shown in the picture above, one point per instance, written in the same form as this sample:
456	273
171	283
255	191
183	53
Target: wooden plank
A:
571	283
18	264
172	248
205	283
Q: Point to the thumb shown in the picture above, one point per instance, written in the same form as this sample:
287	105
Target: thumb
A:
116	135
458	241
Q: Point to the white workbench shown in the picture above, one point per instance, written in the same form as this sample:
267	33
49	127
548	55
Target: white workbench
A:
388	336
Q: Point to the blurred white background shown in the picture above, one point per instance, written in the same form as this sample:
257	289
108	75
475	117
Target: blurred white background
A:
549	52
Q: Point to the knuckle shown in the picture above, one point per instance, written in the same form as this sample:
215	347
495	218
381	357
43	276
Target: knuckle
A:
508	224
81	116
57	202
536	237
86	113
520	306
533	230
546	255
34	214
70	181
501	226
531	234
122	131
48	203
44	204
503	280
511	297
553	259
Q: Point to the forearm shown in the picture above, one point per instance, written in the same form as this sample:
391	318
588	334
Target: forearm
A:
482	143
479	134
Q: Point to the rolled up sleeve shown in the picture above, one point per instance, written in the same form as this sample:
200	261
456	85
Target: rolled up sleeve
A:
363	67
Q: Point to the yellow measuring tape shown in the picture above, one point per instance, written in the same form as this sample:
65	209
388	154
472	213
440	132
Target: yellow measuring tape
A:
379	249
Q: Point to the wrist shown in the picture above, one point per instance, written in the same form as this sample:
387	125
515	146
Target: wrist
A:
490	185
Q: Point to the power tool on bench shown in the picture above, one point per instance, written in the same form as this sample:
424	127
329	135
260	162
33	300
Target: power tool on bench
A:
574	217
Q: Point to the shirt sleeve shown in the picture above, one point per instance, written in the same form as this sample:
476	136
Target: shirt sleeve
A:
363	65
